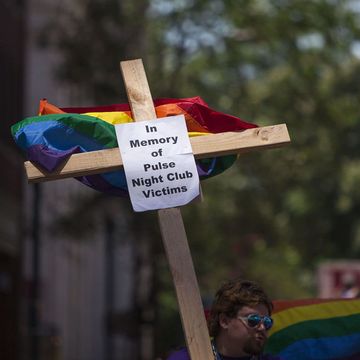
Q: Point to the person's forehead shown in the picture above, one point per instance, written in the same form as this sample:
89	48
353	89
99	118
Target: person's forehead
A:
260	309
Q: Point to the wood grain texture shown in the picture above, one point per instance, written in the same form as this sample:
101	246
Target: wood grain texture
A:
183	274
137	89
96	162
172	230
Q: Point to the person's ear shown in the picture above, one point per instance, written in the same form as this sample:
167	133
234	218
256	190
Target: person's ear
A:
224	321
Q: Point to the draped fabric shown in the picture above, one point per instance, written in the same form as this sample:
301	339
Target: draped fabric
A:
316	329
55	134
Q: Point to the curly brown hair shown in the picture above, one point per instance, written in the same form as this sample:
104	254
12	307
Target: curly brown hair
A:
231	297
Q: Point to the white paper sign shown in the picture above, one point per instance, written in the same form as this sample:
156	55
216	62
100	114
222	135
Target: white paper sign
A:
159	164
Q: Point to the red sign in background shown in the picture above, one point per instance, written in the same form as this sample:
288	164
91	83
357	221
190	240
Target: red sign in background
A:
339	279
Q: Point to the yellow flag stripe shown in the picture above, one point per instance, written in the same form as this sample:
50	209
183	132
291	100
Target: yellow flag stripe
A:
325	310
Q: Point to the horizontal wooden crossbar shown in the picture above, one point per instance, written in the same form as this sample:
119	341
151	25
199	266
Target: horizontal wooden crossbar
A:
102	161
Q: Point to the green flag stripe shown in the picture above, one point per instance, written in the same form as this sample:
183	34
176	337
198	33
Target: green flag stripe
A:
90	126
337	326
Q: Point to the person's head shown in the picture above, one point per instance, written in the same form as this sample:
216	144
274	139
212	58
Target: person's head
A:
235	332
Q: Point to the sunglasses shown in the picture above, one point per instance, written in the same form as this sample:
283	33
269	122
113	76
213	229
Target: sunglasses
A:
254	320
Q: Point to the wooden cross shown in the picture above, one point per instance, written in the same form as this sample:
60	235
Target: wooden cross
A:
170	220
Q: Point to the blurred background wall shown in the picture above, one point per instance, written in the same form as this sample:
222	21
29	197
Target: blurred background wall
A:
12	43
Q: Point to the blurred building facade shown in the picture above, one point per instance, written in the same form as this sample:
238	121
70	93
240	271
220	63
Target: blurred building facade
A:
74	282
12	20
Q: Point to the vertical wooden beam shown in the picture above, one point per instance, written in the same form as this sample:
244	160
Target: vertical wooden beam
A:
137	89
184	277
172	230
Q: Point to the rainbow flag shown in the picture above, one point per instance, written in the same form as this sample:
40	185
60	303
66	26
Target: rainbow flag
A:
55	134
316	329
